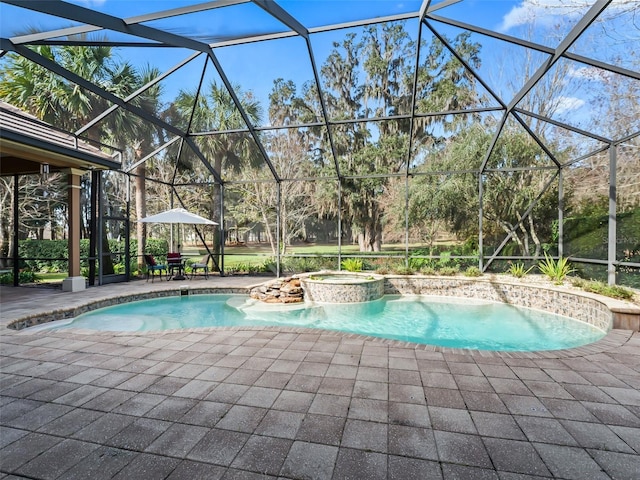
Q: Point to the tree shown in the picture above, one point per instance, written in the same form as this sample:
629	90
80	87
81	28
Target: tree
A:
617	114
453	199
214	110
289	154
143	137
366	76
443	196
380	84
42	203
64	104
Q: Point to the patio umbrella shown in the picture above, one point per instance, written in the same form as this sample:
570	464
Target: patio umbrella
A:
179	216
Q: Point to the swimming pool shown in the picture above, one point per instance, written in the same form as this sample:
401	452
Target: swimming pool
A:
447	322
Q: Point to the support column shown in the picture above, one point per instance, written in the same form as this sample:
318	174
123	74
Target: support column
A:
480	233
612	241
278	220
74	282
93	226
15	253
221	231
339	223
406	221
560	214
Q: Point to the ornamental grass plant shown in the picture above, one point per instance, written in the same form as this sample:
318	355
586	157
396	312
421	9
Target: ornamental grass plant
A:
556	270
518	269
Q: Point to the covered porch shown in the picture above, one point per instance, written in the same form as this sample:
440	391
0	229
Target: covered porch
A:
29	146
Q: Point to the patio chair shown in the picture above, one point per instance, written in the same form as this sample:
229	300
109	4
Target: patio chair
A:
153	267
202	265
174	262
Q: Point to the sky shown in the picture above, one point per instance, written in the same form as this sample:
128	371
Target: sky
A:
256	65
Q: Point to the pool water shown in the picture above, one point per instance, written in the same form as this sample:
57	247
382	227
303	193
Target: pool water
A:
448	322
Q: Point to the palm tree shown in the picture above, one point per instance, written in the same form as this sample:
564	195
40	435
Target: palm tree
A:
64	104
124	130
215	111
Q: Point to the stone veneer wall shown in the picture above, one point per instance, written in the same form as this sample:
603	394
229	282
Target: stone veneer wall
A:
337	292
558	302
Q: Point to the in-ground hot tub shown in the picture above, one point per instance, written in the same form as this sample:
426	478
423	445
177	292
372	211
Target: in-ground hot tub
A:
340	287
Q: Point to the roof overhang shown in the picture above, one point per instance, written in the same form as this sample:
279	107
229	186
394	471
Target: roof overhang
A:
27	143
23	155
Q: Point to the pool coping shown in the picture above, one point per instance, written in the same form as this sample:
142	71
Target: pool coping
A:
615	338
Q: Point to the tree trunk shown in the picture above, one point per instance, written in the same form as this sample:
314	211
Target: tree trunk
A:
525	237
105	258
370	239
510	230
267	225
534	236
6	242
217	238
284	231
6	220
363	242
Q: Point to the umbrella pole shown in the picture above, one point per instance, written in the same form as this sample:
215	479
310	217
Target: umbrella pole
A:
178	248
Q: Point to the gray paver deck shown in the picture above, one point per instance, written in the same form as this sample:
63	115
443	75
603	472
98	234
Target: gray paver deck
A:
295	403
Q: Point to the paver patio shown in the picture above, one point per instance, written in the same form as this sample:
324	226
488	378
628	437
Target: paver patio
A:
294	403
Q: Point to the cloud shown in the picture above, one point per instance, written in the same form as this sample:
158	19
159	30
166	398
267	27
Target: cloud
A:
546	12
529	11
568	104
590	73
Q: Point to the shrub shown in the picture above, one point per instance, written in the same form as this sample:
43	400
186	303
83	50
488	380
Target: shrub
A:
428	270
23	277
153	246
421	263
243	267
473	272
555	270
119	268
352	264
445	259
384	264
269	265
402	270
449	271
249	268
601	288
42	251
518	270
306	264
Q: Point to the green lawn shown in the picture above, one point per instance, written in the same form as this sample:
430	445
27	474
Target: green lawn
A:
51	277
258	254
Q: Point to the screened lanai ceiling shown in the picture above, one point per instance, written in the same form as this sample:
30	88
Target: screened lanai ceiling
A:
345	77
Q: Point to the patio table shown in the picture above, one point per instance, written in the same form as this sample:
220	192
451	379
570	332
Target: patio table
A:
176	263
